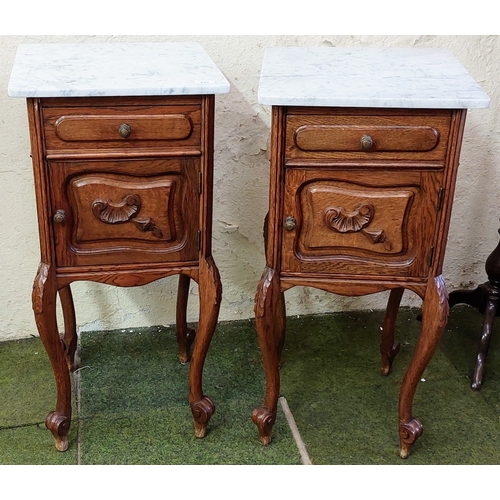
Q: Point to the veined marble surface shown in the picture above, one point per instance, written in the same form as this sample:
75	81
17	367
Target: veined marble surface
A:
114	69
367	77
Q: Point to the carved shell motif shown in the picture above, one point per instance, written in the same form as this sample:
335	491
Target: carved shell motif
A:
349	222
115	213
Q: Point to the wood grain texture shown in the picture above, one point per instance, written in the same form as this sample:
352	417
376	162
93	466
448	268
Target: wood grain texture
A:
396	241
168	190
44	306
435	312
359	203
79	125
395	135
124	194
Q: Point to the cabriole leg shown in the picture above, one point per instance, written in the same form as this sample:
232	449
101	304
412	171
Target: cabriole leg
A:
270	322
70	338
185	335
388	348
44	306
434	317
202	407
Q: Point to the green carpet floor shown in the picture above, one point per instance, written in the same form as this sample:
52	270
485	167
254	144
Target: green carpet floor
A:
132	408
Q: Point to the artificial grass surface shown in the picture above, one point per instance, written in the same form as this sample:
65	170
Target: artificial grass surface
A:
134	407
135	401
346	410
27	394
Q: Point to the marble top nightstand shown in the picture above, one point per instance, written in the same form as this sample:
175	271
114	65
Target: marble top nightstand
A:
365	147
122	150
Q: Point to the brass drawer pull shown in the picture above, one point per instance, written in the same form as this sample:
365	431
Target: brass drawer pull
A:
366	142
290	223
124	130
59	216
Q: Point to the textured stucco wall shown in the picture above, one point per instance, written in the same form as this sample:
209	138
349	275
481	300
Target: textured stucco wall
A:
241	190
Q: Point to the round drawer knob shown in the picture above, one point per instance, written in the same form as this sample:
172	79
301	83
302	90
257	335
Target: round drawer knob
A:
59	216
290	223
366	142
124	130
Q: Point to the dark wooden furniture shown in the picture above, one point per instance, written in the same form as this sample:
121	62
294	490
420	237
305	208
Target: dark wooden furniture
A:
124	197
485	299
359	202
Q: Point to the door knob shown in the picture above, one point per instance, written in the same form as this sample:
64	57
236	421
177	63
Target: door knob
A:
290	223
59	216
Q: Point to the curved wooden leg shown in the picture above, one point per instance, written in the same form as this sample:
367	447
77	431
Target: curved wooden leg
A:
270	320
185	335
70	340
491	311
388	348
44	307
280	323
202	407
434	317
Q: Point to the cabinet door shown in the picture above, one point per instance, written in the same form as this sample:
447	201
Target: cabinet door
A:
125	211
360	223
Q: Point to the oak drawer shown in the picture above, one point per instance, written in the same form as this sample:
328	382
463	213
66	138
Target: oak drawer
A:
412	137
98	128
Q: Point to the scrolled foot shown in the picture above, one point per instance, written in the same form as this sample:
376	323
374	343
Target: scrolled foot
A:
408	434
202	412
59	426
264	420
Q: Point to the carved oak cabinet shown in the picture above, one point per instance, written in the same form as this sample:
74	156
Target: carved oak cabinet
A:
122	150
365	146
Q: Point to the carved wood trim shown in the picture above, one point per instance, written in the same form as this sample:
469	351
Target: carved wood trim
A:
114	213
340	220
117	213
147	225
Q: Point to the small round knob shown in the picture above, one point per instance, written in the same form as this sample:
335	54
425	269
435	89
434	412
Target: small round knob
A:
59	216
290	223
366	142
124	130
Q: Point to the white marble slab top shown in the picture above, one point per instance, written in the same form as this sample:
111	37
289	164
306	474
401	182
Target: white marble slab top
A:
114	69
367	77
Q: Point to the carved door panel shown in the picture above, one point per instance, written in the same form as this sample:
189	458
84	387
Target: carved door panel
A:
360	223
125	211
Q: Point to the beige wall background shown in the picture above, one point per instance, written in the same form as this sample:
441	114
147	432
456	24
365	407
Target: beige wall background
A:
241	190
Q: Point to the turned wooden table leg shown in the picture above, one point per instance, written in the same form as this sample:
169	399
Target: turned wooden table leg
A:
388	348
270	321
484	343
185	335
484	298
434	317
44	307
202	407
70	341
